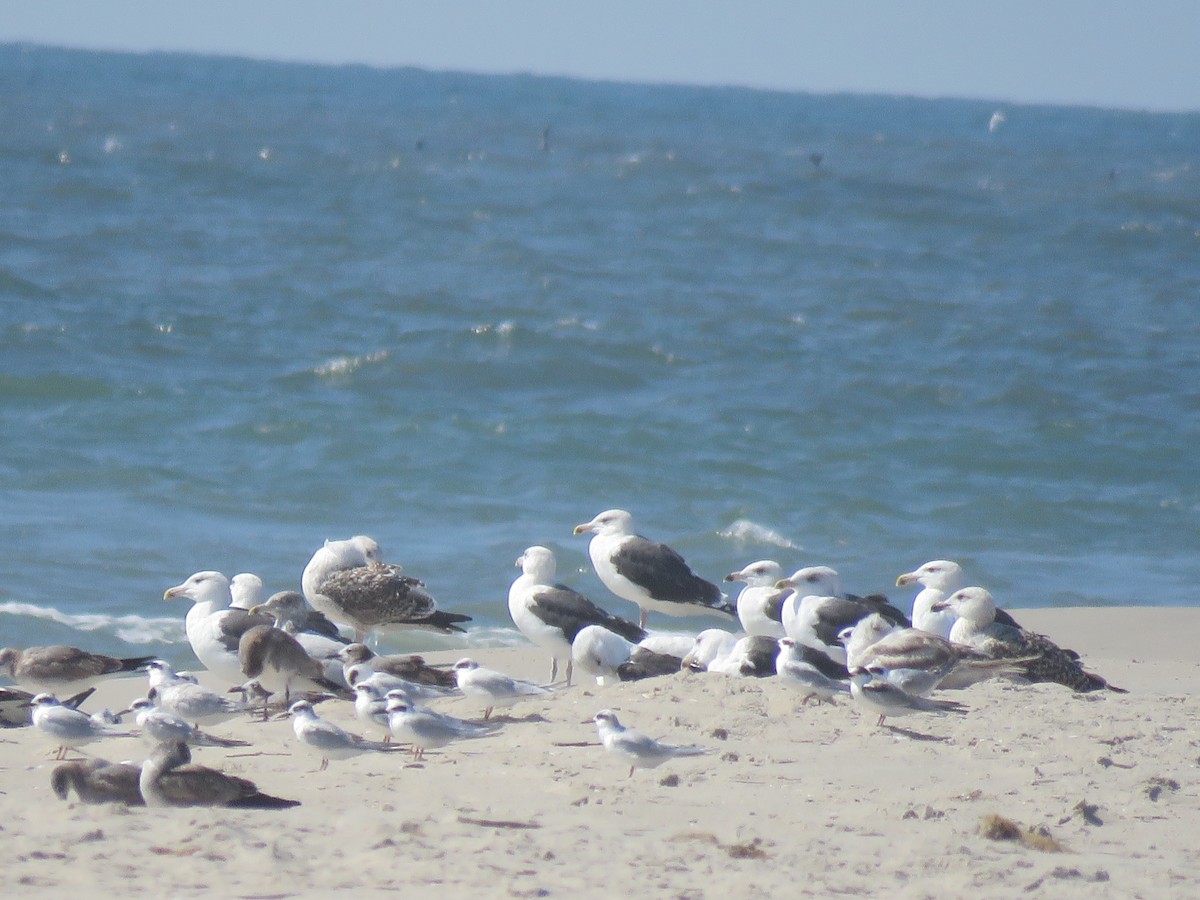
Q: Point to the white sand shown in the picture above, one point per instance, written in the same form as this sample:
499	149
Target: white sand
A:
793	801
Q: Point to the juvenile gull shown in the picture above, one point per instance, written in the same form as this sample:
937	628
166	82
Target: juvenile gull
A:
61	669
409	667
914	660
1043	660
327	740
426	729
68	728
760	602
494	688
551	615
167	778
811	672
214	628
275	660
648	573
349	583
635	748
292	613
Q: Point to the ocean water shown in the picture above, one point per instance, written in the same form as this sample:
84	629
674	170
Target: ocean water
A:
245	307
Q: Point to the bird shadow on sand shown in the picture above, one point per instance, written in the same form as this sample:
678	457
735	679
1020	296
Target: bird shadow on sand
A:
532	718
916	735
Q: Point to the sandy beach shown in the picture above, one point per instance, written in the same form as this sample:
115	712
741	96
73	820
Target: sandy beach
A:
792	800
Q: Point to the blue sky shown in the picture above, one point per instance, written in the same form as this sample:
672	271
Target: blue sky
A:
1142	55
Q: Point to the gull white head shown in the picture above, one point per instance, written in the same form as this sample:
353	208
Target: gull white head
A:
973	605
302	709
820	581
538	563
246	588
397	701
938	574
609	522
465	665
202	587
763	573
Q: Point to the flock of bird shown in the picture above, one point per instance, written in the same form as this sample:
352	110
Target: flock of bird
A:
289	653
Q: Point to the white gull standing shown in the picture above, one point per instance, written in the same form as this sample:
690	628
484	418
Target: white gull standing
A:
648	573
551	615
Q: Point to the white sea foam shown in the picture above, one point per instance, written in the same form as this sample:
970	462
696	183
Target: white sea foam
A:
344	365
743	532
132	629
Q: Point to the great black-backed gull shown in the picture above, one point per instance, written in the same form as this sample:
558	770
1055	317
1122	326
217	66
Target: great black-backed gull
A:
59	669
977	628
213	627
648	573
760	602
816	619
349	583
550	615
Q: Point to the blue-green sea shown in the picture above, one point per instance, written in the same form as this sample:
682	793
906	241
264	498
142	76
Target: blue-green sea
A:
245	307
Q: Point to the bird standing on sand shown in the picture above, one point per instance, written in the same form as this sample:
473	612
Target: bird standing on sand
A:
68	728
277	663
214	628
639	750
327	740
426	729
348	582
494	688
159	727
551	615
648	573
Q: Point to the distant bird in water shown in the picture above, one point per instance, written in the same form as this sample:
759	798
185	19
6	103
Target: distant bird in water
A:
815	159
546	139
